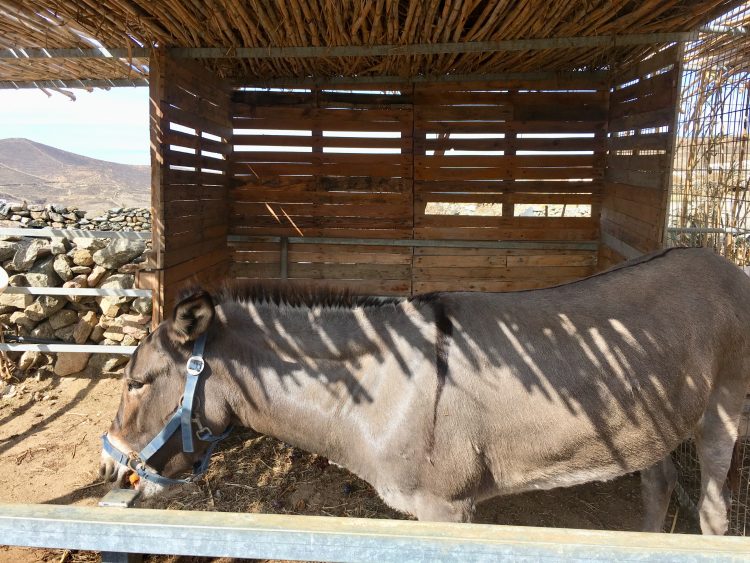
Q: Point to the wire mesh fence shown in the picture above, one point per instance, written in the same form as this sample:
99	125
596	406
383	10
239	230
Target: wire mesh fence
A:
710	203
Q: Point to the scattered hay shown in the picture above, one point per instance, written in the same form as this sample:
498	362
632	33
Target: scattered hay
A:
255	473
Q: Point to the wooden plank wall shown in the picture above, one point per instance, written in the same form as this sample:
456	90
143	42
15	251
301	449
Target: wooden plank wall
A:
639	146
303	166
190	139
544	144
313	178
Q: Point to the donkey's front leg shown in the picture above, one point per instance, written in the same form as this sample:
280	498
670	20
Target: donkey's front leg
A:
657	484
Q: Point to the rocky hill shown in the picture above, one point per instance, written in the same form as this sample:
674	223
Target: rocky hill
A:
40	174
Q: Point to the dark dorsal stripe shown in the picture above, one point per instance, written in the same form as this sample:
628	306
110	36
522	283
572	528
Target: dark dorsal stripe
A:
443	335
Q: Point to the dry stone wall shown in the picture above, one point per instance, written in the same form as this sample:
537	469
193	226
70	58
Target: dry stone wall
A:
60	217
73	263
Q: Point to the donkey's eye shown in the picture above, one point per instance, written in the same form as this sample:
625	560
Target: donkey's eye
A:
134	384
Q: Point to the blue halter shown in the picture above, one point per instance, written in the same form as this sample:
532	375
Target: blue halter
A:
183	419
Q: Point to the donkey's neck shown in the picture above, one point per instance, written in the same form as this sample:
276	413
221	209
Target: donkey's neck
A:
323	379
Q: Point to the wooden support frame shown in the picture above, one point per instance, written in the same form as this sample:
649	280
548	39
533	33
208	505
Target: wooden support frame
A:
508	45
641	139
190	144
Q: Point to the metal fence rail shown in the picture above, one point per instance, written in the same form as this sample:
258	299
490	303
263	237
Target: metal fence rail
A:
274	536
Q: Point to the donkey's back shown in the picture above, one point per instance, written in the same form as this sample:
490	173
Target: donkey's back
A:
597	378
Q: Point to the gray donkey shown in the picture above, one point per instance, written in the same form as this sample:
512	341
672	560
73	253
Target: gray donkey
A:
444	400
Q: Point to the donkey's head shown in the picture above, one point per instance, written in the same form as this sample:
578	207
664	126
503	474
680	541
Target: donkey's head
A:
172	407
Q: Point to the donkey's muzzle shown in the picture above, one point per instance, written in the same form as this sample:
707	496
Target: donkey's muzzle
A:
112	472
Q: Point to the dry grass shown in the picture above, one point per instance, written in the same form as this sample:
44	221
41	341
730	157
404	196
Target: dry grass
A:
255	23
256	473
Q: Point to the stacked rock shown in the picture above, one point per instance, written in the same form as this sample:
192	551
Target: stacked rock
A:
60	217
73	263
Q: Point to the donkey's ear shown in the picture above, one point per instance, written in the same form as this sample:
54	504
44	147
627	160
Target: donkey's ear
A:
191	317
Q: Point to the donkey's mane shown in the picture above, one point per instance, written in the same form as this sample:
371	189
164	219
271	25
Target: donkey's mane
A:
300	295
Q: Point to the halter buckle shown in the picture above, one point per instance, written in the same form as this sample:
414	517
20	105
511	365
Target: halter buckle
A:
134	461
195	365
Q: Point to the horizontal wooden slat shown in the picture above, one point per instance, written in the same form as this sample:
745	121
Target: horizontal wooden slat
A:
646	213
264	171
585	233
177	192
198	122
627	235
197	105
660	99
177	158
307	222
349	271
658	61
493	173
331	184
644	196
523	144
322	159
658	163
506	186
289	231
362	286
499	273
563	82
645	87
188	140
299	141
320	210
485	114
654	141
321	115
507	161
649	119
528	249
644	179
174	225
183	253
198	79
515	126
324	124
484	285
243	199
194	208
192	177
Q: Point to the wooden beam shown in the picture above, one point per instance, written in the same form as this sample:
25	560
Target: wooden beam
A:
74	83
313	52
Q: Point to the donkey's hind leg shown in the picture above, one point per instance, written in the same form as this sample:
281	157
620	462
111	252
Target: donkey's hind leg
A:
657	484
715	436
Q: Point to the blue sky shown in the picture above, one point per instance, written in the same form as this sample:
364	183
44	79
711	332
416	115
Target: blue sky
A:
109	125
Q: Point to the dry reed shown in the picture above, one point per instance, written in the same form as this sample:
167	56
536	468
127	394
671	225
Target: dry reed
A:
256	23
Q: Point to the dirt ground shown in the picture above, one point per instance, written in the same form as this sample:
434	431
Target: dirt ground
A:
49	452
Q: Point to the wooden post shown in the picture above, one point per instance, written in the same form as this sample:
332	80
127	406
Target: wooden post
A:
189	110
157	124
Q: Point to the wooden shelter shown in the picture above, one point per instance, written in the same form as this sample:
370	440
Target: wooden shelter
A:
395	146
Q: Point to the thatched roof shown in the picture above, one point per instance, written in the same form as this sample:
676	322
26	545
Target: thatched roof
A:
135	25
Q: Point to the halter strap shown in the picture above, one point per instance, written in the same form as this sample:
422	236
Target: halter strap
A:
182	418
